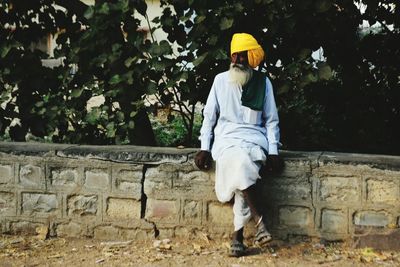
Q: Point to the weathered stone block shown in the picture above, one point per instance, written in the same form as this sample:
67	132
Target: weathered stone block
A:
6	174
129	180
169	167
190	179
116	233
33	203
220	214
64	177
294	216
158	183
30	175
334	221
165	232
7	203
163	210
340	189
71	229
97	179
82	205
24	227
187	232
382	190
136	234
128	186
4	226
296	169
157	187
106	233
192	211
158	174
123	208
330	169
387	240
371	218
288	189
212	176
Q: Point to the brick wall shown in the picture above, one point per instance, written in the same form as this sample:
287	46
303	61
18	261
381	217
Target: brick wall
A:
127	192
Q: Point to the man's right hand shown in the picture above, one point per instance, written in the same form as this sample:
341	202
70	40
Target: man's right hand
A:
203	160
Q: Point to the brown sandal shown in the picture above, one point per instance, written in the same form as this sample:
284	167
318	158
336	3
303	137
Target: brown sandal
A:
237	249
262	236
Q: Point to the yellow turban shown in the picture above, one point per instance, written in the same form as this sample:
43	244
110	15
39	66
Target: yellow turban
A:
246	42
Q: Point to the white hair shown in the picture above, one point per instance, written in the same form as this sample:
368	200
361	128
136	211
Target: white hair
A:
239	73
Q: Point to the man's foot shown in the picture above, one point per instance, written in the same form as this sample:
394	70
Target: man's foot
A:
237	249
262	236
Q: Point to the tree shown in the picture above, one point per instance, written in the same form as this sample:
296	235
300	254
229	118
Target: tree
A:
28	103
347	102
102	44
110	57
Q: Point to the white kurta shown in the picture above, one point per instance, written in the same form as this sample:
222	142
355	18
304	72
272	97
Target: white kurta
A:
237	123
238	141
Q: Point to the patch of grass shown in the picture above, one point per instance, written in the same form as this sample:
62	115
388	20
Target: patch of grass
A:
171	131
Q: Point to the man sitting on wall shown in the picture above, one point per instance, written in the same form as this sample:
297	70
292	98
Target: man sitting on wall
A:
240	132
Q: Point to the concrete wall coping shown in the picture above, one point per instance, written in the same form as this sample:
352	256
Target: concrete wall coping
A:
157	155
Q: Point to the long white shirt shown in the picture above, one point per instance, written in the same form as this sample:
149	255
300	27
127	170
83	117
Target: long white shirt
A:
236	124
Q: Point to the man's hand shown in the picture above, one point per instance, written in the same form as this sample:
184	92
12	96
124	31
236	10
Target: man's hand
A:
203	160
273	164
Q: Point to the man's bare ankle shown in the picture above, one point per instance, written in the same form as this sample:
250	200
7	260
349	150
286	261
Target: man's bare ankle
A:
238	235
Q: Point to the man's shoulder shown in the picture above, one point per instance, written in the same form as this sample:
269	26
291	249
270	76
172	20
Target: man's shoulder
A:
264	76
221	75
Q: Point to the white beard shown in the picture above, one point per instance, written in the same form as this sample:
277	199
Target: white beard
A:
240	74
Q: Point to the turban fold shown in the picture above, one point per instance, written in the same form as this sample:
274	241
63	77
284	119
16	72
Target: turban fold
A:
246	42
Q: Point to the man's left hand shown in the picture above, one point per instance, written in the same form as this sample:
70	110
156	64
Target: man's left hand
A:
273	164
203	160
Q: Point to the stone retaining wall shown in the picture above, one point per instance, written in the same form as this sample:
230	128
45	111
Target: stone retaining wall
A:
128	192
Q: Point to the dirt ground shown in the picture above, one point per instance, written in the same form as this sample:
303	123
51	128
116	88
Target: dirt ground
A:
201	251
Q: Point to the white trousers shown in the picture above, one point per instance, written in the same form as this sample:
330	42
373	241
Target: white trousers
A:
241	211
237	169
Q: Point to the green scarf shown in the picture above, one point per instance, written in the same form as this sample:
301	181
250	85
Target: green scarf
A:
253	94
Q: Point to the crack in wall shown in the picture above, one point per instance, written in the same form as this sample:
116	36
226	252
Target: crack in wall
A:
318	158
143	196
155	229
314	190
143	200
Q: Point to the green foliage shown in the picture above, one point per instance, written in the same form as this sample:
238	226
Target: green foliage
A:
103	51
172	131
26	99
349	101
110	55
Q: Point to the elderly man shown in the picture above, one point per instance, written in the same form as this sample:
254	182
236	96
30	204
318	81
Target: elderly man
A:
240	132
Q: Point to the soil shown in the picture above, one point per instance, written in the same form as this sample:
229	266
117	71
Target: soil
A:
200	251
